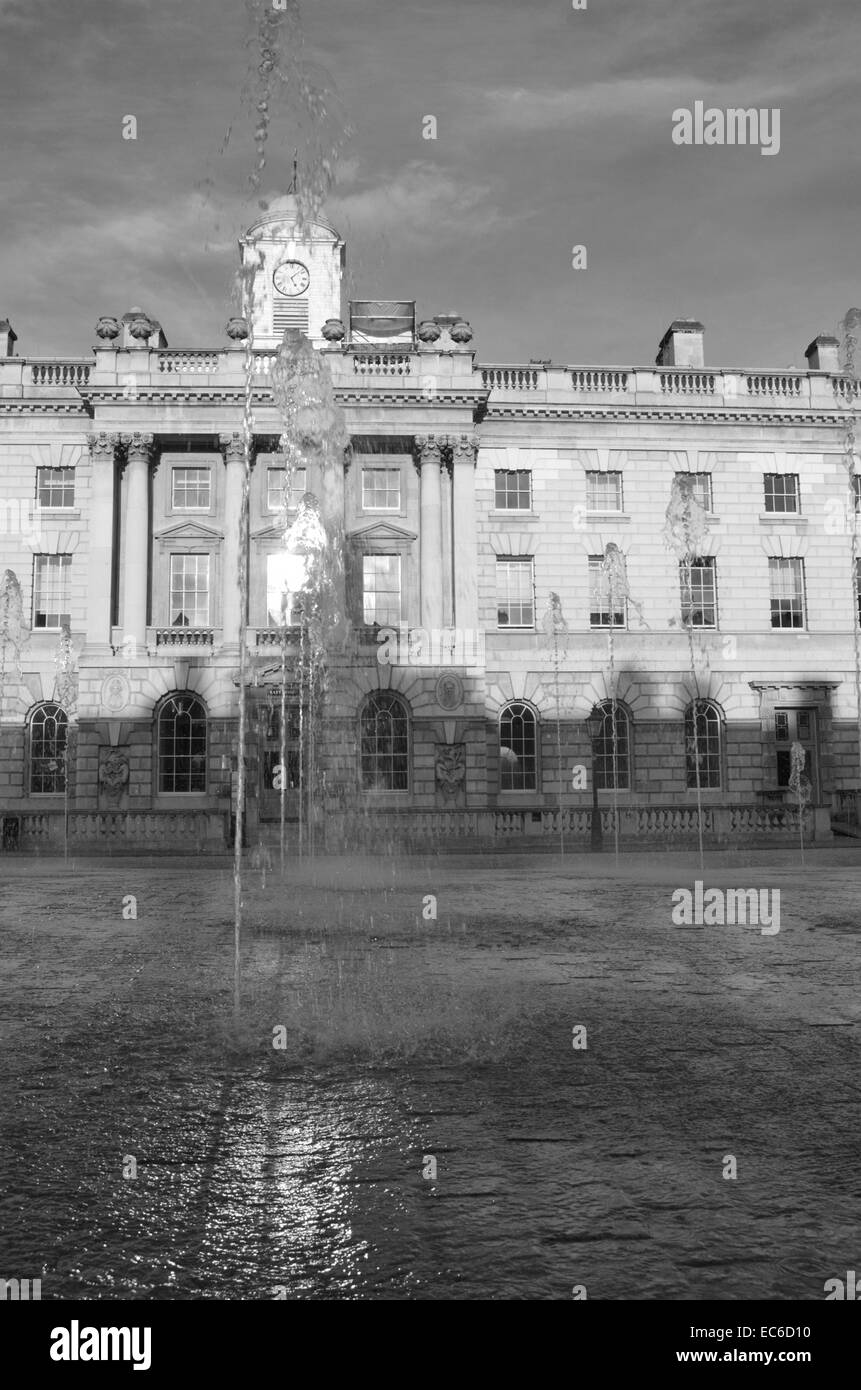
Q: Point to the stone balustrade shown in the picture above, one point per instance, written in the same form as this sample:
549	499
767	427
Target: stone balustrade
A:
183	637
128	832
589	386
383	363
415	830
52	373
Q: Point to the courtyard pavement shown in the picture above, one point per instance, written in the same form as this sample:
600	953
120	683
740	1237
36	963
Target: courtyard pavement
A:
401	1110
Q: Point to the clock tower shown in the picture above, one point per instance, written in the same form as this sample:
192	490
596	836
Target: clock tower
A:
297	279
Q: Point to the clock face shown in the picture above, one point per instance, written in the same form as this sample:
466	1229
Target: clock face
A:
291	277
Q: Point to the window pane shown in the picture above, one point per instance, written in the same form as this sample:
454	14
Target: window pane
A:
384	740
603	492
189	590
191	489
51	581
611	761
48	732
513	489
515	600
182	745
55	487
381	489
599	596
781	492
787	592
702	747
518	749
275	482
382	589
701	488
285	578
699	593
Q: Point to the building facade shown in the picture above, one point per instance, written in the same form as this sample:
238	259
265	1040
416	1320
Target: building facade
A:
505	572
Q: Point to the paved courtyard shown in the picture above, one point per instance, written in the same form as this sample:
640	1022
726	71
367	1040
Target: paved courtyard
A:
401	1111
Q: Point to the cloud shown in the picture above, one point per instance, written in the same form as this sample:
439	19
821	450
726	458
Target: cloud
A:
422	204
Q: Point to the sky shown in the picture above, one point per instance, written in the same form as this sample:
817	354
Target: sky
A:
553	130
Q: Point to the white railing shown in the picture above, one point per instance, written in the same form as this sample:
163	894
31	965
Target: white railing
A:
687	383
60	373
382	364
848	387
510	378
190	363
183	637
589	379
777	384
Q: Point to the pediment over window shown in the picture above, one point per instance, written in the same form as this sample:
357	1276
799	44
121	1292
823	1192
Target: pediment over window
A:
270	533
382	533
189	531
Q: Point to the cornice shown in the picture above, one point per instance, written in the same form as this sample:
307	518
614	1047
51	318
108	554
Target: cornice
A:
638	414
20	406
351	395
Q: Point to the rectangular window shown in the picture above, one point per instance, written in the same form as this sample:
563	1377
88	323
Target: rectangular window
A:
611	757
603	492
599	597
55	487
192	489
381	583
189	590
856	488
512	489
381	489
52	576
515	596
275	481
786	579
283	592
701	487
699	592
781	492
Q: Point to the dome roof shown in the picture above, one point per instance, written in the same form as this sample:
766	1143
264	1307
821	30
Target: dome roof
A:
285	209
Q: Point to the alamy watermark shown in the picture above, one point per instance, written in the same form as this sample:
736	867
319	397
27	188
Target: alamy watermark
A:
716	907
734	126
416	646
22	517
20	1290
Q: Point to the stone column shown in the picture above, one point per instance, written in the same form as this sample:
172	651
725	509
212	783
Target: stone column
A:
101	540
233	450
447	543
137	536
430	536
464	451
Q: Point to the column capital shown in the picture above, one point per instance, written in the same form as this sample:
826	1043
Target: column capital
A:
103	446
137	446
464	448
232	447
427	448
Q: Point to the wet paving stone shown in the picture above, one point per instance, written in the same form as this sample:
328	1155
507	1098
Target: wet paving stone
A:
450	1040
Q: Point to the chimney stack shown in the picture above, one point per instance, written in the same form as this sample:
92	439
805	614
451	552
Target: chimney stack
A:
682	345
8	339
823	355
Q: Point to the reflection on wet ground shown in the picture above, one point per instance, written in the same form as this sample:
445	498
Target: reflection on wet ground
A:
300	1172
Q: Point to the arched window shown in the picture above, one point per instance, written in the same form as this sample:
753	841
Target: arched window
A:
384	734
704	750
611	760
182	745
518	749
49	728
